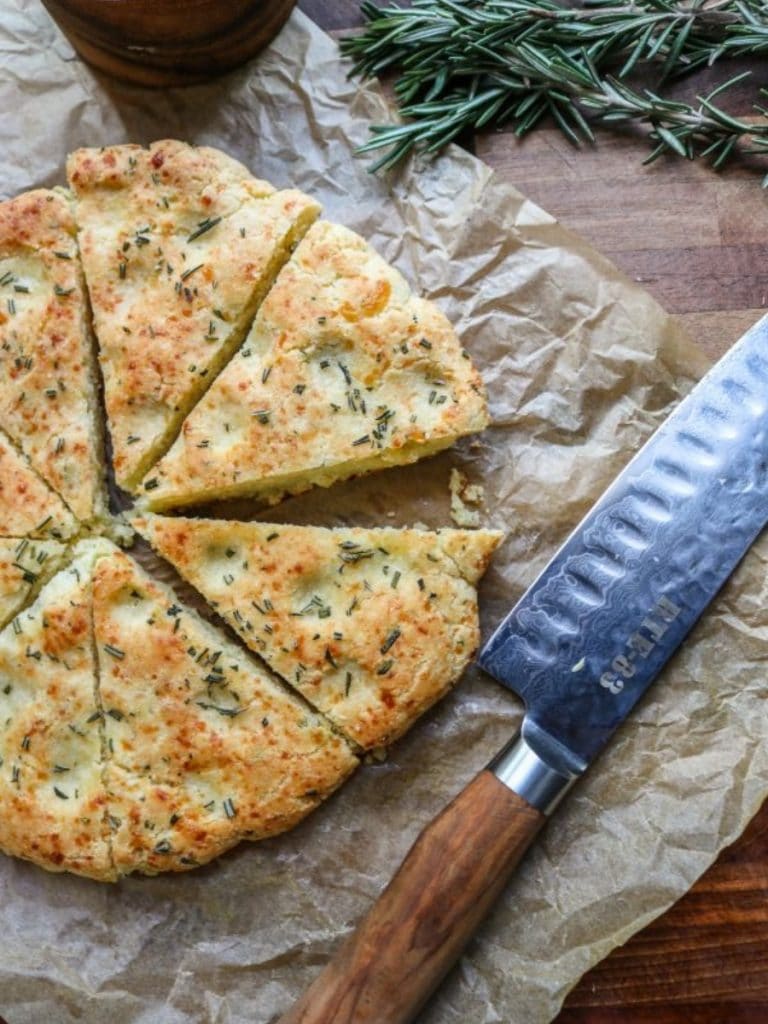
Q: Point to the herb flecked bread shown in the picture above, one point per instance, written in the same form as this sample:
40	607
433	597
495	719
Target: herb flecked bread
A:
371	626
246	349
135	738
28	506
48	394
205	747
25	565
344	371
179	245
52	795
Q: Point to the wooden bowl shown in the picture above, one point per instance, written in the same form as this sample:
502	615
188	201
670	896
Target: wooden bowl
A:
168	42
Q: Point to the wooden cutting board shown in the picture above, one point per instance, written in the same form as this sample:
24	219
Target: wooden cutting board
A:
698	242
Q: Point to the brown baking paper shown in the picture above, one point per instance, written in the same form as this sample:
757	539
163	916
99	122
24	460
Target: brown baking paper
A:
581	365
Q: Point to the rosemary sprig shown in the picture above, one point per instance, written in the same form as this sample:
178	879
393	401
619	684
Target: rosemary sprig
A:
679	34
465	65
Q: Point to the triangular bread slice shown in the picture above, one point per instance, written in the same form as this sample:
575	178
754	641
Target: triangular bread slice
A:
25	566
206	747
28	507
52	791
48	395
371	626
344	371
179	246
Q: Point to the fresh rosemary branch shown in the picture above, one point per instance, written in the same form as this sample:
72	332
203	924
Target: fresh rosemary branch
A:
468	64
681	35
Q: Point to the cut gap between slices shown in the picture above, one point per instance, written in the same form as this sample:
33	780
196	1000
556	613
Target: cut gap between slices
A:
102	519
47	350
165	574
106	817
109	522
70	526
225	354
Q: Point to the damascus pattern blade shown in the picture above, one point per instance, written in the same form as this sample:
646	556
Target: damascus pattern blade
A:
589	636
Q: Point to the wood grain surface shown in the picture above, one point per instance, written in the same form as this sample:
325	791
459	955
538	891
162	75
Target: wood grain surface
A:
698	242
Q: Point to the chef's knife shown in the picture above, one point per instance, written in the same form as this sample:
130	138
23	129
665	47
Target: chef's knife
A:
580	647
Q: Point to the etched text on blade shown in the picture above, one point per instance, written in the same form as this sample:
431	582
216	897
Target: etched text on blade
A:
585	641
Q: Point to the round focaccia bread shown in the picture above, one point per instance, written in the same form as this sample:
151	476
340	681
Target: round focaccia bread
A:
134	737
204	747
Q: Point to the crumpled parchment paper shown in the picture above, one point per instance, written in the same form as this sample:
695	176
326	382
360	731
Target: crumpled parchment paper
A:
581	366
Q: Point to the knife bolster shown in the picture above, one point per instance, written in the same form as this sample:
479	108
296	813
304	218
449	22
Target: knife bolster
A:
523	771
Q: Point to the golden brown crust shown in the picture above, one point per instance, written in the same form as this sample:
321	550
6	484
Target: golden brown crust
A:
47	387
133	736
51	788
371	626
344	371
206	748
179	245
28	507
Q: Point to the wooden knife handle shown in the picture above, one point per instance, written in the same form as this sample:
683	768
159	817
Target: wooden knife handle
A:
415	932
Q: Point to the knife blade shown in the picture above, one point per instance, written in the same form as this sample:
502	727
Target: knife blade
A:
581	647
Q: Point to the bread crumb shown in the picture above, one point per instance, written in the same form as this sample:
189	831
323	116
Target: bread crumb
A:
376	756
464	494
